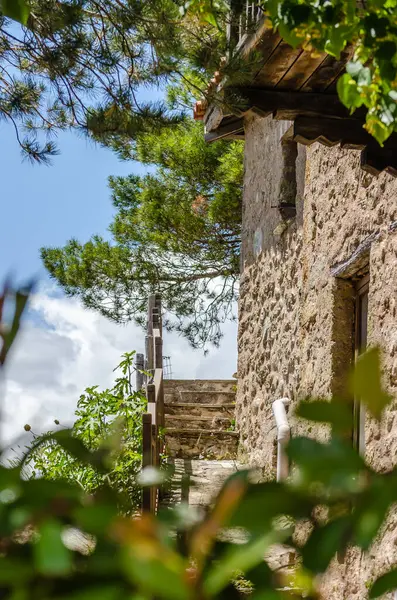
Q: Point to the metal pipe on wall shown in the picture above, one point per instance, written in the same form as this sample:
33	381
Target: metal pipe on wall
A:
283	436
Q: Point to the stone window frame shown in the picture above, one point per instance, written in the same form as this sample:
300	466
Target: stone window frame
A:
355	272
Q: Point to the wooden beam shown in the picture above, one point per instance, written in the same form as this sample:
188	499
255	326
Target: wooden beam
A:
236	127
350	134
213	117
300	71
374	159
330	132
281	59
327	72
289	105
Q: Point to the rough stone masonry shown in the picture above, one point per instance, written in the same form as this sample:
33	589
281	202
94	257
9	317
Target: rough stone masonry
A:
297	296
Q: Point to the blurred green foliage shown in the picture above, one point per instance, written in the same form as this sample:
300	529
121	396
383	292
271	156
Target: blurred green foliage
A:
60	541
15	9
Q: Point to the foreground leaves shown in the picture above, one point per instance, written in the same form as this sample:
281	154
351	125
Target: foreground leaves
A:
366	383
15	9
386	583
10	322
58	541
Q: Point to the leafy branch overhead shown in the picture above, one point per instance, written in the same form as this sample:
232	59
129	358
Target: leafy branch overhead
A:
13	304
370	28
15	9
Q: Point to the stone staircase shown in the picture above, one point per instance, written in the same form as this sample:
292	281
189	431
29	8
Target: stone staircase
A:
201	443
199	419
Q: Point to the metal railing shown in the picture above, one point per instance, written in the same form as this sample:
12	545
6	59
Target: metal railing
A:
167	367
244	19
152	381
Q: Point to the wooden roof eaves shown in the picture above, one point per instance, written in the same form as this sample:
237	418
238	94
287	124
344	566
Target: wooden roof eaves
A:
317	113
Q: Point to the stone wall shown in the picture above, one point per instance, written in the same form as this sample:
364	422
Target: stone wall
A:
297	299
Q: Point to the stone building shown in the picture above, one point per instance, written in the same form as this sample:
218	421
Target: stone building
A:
318	262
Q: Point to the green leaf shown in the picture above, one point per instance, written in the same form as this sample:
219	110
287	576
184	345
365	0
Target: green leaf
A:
386	50
289	35
156	575
385	583
339	413
99	592
262	502
348	92
387	70
240	557
21	299
337	40
377	129
324	542
52	558
376	26
95	518
372	508
15	9
335	464
267	595
14	569
298	14
366	383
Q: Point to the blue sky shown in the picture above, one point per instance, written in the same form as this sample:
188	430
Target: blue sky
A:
46	205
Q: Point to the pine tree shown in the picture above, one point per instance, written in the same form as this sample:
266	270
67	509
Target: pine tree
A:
81	63
176	231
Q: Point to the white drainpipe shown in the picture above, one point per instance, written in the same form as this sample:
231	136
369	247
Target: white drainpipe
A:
283	435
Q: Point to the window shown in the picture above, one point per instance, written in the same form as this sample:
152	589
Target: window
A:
360	345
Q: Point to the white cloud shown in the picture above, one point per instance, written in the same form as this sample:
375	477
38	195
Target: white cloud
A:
64	348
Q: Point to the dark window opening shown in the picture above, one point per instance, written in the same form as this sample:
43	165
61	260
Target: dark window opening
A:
288	184
360	345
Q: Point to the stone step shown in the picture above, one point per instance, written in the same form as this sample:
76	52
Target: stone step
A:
186	395
197	481
217	385
201	443
215	421
201	410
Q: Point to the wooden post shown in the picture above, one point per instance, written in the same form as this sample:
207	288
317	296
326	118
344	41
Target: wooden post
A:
139	367
147	459
158	306
158	353
155	463
149	353
153	420
151	305
151	393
